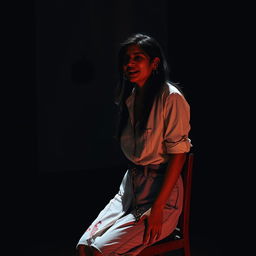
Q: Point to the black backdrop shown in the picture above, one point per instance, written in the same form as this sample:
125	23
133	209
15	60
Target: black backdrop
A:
67	118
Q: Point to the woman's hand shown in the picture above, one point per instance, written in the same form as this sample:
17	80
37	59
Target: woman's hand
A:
153	225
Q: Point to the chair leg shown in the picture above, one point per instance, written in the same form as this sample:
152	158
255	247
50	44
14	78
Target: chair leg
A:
187	248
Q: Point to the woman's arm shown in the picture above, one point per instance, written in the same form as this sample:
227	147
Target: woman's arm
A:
173	171
176	115
154	216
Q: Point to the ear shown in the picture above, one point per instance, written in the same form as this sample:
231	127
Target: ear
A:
156	62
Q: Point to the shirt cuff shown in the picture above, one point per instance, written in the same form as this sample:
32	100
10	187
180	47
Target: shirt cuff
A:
182	146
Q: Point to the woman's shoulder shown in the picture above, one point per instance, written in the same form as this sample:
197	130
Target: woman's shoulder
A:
172	95
170	89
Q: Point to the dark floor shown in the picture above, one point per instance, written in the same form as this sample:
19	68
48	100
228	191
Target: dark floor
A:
70	201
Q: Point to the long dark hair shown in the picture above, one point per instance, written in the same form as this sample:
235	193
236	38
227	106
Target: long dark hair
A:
154	84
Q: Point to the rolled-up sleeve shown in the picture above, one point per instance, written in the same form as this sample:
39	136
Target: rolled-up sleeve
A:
177	126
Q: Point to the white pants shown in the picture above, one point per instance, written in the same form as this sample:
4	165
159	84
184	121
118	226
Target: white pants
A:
115	232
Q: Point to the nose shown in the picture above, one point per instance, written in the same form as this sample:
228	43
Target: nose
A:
130	63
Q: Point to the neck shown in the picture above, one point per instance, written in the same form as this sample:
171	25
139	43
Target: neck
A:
140	90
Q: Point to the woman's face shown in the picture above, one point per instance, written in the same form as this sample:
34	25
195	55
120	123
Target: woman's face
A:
137	65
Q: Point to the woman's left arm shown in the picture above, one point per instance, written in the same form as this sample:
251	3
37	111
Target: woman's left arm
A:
173	171
176	112
155	216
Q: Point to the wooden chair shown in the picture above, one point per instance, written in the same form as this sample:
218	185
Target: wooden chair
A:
179	239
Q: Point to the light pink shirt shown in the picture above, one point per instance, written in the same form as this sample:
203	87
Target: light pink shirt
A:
166	131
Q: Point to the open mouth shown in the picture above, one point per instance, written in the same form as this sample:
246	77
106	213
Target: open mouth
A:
132	73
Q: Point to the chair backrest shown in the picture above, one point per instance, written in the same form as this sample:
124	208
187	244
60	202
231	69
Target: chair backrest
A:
187	182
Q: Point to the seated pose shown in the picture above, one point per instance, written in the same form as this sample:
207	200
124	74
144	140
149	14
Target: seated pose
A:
153	132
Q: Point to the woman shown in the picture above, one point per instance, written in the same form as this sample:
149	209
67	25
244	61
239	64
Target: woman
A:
153	133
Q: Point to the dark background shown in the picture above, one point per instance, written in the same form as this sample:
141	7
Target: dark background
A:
65	123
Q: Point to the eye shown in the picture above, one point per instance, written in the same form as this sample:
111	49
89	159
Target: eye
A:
138	57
